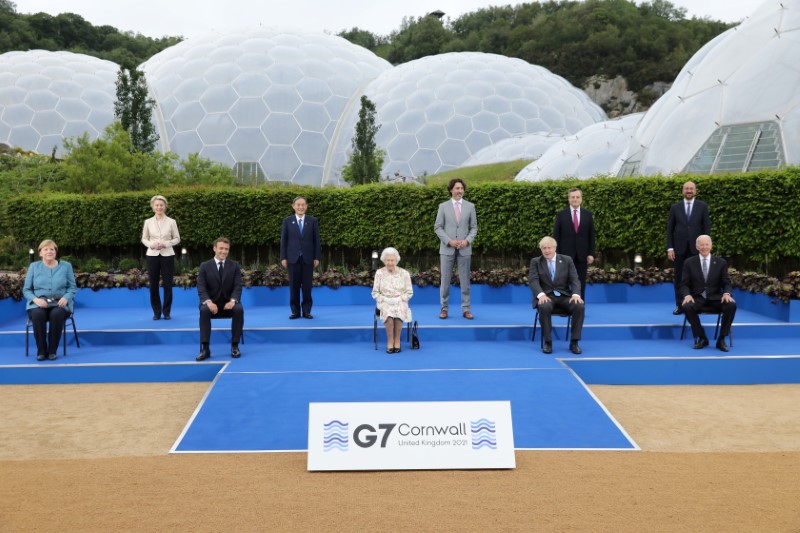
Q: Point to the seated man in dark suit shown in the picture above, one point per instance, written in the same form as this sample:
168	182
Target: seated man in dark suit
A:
555	286
706	285
219	284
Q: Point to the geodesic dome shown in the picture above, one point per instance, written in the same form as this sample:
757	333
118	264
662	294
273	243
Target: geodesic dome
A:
734	107
266	101
593	151
47	96
514	149
437	111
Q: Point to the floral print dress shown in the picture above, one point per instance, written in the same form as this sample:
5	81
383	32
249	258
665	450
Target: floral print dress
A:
391	292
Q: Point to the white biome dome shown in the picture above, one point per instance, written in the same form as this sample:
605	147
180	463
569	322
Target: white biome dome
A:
48	96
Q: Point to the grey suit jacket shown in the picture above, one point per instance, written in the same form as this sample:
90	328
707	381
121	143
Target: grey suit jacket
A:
448	229
566	282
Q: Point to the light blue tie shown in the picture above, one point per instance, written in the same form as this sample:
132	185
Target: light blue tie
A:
553	276
300	225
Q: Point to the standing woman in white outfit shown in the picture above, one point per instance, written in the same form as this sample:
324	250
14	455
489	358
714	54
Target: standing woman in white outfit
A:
160	235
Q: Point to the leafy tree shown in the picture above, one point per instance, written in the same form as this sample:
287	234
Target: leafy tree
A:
366	161
134	109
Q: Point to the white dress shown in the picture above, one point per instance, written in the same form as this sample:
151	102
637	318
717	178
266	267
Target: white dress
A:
391	292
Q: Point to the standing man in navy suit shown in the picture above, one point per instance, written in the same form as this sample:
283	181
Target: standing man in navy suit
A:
300	253
575	234
688	219
707	285
555	286
219	285
456	226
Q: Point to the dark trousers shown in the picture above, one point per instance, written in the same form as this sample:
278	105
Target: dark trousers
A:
237	321
560	303
582	267
680	257
40	317
301	276
161	266
701	304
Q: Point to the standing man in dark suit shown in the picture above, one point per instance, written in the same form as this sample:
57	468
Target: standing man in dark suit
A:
688	219
555	286
706	284
456	226
219	284
300	253
574	232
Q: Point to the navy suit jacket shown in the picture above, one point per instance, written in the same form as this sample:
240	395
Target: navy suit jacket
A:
718	282
210	287
566	282
576	245
682	232
293	244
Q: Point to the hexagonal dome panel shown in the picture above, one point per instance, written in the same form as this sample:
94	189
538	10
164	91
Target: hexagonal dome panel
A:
263	78
514	149
734	106
45	96
477	98
591	152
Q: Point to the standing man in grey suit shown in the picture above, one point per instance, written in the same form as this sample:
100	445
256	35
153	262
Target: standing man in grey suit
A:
688	219
555	286
707	285
574	232
300	253
456	226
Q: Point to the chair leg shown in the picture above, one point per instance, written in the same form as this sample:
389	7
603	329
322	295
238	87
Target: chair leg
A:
64	337
535	323
375	331
27	334
683	329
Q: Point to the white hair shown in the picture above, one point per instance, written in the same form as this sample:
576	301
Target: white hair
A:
390	251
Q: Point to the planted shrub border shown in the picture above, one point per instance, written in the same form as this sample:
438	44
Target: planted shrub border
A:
779	289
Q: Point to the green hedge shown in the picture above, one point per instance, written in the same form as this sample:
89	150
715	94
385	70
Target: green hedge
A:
754	215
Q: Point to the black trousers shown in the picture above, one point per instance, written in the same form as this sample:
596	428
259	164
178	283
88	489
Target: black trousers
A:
680	257
40	317
301	276
701	304
560	303
582	267
161	266
237	321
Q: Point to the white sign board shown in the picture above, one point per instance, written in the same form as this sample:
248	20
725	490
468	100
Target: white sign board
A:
410	436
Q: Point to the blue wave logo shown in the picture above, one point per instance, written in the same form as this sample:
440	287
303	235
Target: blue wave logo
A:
483	434
336	436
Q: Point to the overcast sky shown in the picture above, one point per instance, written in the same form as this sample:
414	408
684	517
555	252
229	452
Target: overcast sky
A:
189	18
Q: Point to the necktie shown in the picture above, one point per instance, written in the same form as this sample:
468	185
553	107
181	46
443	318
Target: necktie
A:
552	265
688	209
300	225
575	219
458	211
221	268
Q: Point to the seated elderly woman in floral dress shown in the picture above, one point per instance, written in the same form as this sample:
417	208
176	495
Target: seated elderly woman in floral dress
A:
392	291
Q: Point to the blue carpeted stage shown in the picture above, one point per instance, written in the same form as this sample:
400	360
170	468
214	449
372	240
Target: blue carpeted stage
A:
260	402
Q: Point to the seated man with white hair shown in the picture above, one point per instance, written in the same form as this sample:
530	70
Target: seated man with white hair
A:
391	291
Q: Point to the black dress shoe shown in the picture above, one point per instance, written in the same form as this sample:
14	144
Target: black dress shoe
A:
721	346
397	350
52	356
167	317
701	343
389	350
677	311
156	317
574	348
204	354
548	347
308	316
235	353
294	315
41	357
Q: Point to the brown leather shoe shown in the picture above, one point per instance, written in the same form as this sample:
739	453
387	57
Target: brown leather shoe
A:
468	315
443	314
